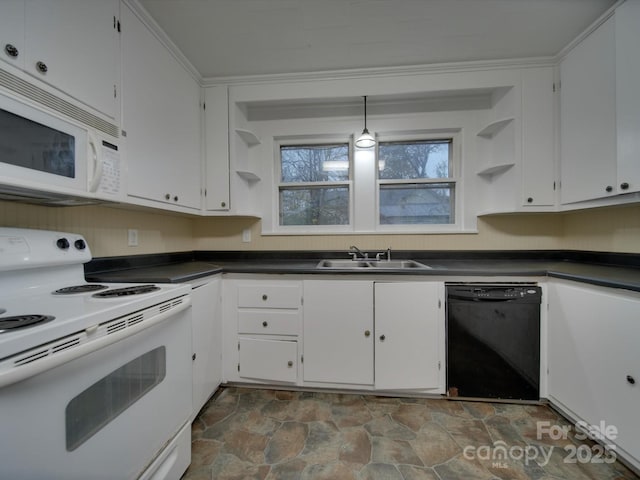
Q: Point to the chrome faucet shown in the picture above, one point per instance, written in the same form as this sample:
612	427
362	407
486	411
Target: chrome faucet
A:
386	254
355	251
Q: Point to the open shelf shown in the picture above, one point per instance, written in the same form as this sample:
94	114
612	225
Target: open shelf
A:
495	169
248	176
248	136
494	127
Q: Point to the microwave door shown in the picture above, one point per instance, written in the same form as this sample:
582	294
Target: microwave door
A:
41	151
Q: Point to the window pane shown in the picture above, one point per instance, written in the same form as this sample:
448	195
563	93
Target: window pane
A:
413	160
314	163
314	206
431	203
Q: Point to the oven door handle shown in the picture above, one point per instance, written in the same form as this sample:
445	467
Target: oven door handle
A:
87	346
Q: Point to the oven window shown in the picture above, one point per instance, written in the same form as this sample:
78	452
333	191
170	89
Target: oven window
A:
28	144
103	401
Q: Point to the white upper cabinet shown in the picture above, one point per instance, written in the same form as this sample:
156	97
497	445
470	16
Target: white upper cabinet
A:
600	111
538	139
588	117
515	146
216	134
72	45
161	116
12	32
627	18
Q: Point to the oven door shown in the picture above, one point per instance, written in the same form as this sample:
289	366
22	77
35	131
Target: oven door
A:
106	415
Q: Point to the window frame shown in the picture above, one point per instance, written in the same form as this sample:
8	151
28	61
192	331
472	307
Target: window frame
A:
453	179
312	140
364	190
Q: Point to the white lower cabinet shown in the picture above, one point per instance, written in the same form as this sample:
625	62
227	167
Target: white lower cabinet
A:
409	336
386	335
207	341
594	359
264	359
338	331
335	333
261	326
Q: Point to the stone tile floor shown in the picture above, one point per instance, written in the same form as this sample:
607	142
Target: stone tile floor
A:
246	434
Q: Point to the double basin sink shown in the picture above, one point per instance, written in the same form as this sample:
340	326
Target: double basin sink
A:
372	264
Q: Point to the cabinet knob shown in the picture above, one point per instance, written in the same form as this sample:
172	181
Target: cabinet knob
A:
382	338
530	200
11	50
624	186
265	324
193	357
175	198
289	364
265	297
367	333
42	67
223	204
631	380
167	196
609	189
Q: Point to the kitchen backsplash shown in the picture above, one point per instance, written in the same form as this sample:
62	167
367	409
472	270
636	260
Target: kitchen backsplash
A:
106	228
614	229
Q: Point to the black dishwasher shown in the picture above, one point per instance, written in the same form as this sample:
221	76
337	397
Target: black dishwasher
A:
493	341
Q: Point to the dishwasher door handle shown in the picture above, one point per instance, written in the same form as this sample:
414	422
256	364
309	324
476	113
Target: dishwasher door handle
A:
469	298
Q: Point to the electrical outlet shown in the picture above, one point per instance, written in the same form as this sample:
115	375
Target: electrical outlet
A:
132	237
246	235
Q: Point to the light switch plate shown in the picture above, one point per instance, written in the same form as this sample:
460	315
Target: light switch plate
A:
246	235
132	237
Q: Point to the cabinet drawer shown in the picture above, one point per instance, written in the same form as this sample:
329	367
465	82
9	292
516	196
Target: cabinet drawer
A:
269	296
269	322
274	360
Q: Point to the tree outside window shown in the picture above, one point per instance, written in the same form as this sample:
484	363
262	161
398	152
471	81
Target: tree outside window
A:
416	183
314	184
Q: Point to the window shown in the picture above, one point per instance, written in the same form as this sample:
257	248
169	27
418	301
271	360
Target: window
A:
409	183
415	182
314	187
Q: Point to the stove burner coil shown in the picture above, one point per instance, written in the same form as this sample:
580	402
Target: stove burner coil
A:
80	289
19	321
122	292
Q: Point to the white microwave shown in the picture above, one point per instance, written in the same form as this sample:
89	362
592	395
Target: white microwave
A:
43	156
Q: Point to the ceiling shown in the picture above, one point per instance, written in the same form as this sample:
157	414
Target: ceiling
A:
224	38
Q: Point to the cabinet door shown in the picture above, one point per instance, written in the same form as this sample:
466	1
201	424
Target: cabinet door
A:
408	335
338	331
593	334
78	41
12	32
161	117
217	148
274	360
627	18
207	342
538	159
588	118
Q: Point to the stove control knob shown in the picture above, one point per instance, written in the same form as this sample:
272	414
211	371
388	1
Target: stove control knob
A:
80	244
63	243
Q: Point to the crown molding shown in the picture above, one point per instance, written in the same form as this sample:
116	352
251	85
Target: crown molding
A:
358	73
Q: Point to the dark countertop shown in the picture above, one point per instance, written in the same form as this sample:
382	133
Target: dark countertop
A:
182	272
604	269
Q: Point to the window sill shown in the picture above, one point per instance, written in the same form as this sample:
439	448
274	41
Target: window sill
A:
309	232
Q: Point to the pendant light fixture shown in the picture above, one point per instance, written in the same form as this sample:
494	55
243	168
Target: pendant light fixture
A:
365	140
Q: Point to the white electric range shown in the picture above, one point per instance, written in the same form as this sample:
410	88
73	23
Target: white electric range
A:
95	379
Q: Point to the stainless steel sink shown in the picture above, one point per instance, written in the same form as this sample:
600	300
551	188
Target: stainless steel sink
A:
390	264
371	264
